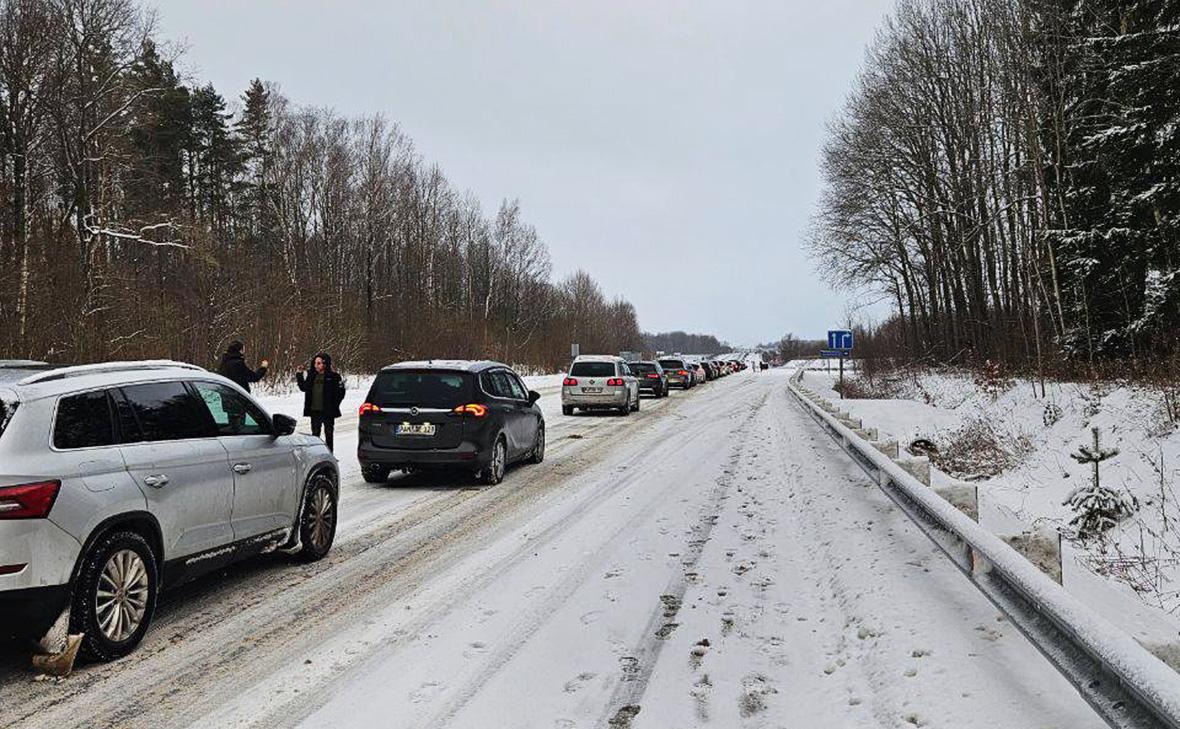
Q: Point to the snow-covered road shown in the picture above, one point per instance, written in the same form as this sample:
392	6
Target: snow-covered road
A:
711	561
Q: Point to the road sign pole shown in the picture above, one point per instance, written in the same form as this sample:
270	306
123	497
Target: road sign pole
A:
841	378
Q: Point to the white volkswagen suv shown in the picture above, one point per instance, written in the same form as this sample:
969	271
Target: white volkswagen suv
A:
118	480
600	382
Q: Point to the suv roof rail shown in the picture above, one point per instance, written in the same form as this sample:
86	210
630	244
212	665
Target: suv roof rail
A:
62	373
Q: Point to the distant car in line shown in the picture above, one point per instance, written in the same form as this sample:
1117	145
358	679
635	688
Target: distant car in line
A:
449	414
651	378
600	382
677	372
118	480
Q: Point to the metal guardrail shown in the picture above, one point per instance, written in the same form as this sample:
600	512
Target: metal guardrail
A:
1125	684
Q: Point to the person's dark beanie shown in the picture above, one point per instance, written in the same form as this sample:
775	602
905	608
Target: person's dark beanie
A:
235	347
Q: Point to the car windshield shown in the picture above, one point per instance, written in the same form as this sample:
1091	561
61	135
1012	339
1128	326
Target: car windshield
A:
424	389
593	369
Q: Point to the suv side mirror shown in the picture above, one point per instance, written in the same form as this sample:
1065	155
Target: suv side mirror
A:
534	396
284	424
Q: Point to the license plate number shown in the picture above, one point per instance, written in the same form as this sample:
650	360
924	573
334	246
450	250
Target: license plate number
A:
415	429
592	390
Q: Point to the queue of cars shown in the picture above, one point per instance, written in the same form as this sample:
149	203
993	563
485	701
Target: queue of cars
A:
602	382
123	479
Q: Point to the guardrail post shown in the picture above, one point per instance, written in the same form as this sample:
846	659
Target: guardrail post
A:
1041	547
888	447
919	468
964	497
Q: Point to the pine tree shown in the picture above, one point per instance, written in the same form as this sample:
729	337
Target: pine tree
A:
158	133
255	129
1120	256
214	160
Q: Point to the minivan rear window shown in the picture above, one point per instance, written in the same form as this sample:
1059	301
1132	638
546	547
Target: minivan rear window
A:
593	369
423	389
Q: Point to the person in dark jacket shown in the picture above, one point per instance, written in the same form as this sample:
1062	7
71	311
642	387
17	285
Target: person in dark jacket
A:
323	391
234	367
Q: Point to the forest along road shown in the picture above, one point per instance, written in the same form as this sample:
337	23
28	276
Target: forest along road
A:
712	560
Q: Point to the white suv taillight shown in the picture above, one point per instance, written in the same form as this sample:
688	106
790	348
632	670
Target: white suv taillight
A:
28	501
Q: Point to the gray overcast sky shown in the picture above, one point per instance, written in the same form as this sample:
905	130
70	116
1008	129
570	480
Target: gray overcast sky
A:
669	148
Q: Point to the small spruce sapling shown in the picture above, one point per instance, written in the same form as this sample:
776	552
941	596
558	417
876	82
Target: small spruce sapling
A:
1097	507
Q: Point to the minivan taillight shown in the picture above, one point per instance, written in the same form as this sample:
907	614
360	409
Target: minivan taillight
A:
368	409
474	409
28	501
615	382
569	382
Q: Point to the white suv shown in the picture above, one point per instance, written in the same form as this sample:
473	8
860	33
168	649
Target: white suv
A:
119	479
600	382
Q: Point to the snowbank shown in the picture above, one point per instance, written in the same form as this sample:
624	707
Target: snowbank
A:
1131	575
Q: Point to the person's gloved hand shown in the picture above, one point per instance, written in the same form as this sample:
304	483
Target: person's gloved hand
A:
265	364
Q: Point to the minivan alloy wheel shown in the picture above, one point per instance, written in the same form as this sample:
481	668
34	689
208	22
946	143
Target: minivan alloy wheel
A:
494	473
122	596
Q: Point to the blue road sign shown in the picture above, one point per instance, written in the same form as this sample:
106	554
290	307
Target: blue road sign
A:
833	353
840	339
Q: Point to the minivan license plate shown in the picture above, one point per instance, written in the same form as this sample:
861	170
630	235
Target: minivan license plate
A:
415	429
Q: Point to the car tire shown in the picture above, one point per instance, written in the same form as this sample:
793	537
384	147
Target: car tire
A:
635	409
538	454
318	518
374	473
125	561
567	409
493	473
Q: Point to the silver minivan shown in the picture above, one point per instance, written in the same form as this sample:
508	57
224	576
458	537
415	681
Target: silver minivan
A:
120	479
600	382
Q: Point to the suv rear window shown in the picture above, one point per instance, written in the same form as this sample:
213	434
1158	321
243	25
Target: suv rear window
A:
84	421
642	368
593	369
671	364
424	389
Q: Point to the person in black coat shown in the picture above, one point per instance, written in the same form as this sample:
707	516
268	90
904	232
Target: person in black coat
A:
234	367
323	391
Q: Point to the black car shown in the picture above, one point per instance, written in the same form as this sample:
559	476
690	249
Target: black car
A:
475	416
652	378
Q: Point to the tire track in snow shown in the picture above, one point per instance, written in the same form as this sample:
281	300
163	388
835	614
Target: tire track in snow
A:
626	700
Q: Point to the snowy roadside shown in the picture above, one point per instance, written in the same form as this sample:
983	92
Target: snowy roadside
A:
1024	481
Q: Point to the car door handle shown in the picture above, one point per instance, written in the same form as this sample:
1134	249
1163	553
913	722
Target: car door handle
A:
243	468
156	480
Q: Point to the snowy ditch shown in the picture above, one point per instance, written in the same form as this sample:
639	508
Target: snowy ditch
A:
1125	683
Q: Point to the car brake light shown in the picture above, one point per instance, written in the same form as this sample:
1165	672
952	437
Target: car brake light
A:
652	376
569	382
28	501
683	373
474	409
368	408
615	382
